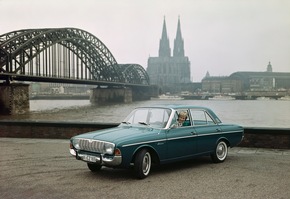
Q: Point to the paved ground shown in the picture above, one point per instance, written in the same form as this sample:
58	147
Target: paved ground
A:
42	168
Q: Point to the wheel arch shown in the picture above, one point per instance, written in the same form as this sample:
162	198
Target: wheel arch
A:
153	153
225	140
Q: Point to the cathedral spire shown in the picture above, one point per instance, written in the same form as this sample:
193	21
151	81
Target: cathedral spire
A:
269	67
178	50
164	48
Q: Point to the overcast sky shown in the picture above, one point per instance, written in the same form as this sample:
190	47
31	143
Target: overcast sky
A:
220	36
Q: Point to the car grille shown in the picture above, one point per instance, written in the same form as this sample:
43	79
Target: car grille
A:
92	145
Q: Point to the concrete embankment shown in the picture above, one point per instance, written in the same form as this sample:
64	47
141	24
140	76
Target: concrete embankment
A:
277	138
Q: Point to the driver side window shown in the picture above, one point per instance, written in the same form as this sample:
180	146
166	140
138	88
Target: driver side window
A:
181	118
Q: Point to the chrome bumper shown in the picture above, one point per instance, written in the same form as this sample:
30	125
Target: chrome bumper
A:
100	159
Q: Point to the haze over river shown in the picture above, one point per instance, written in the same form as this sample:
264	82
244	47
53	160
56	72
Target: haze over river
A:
249	113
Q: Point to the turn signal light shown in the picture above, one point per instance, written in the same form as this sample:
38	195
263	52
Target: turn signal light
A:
117	152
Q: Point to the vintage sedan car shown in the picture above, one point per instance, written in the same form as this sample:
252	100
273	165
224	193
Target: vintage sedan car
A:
150	135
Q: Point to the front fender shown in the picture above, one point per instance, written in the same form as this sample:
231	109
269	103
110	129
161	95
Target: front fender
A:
154	154
129	154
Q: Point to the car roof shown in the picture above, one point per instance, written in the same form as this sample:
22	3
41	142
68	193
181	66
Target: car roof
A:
176	106
182	106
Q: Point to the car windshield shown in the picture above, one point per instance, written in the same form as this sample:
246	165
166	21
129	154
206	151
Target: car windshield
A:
153	117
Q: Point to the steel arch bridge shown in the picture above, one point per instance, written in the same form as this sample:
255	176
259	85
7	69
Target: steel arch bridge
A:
64	55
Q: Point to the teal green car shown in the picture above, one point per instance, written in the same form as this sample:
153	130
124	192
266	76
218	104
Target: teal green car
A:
157	135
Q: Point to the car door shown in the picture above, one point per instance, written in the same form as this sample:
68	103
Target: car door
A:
206	129
181	141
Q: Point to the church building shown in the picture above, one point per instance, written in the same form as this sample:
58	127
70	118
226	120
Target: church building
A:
168	70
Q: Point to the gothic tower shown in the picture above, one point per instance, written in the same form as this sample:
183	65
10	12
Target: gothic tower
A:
164	48
178	50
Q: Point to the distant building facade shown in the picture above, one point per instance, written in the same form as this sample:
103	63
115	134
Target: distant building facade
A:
247	81
166	70
221	85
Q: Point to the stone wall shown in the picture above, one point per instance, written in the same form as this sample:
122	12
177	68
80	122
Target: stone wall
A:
53	130
277	138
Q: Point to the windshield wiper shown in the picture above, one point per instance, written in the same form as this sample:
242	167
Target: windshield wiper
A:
144	123
125	122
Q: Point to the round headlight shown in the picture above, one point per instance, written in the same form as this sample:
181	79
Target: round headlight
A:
76	144
109	148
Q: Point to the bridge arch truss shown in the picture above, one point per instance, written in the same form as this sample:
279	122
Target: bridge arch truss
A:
64	53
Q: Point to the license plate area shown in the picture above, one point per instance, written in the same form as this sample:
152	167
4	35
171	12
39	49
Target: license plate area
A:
89	158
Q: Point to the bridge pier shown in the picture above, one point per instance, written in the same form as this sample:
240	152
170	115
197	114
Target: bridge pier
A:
144	93
14	99
111	95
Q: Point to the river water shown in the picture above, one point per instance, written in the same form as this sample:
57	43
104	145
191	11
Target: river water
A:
250	113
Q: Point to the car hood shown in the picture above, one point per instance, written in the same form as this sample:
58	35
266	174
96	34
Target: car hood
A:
122	134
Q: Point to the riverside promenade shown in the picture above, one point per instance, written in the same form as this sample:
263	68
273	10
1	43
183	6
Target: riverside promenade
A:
43	168
257	137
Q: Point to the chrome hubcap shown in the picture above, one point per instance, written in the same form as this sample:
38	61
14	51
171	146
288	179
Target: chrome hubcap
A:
146	163
221	151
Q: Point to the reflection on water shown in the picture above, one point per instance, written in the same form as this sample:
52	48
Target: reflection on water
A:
251	113
44	105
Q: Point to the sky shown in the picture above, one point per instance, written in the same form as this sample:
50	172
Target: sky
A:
220	36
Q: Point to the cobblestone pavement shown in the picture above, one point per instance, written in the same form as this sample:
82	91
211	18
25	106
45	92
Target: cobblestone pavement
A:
43	168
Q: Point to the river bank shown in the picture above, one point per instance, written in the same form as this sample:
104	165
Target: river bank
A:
250	113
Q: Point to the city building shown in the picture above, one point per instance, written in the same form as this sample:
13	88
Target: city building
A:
221	84
248	81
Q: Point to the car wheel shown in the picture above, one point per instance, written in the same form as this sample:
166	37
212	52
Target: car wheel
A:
94	167
142	164
220	153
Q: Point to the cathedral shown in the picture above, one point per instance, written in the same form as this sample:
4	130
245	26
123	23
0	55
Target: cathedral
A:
168	70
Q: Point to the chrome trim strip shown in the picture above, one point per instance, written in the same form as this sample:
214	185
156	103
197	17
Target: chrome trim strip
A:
162	140
177	138
230	132
195	135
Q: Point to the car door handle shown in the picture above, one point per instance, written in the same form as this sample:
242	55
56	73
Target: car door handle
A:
218	130
193	133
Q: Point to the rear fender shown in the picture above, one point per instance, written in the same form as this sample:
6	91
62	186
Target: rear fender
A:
223	139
